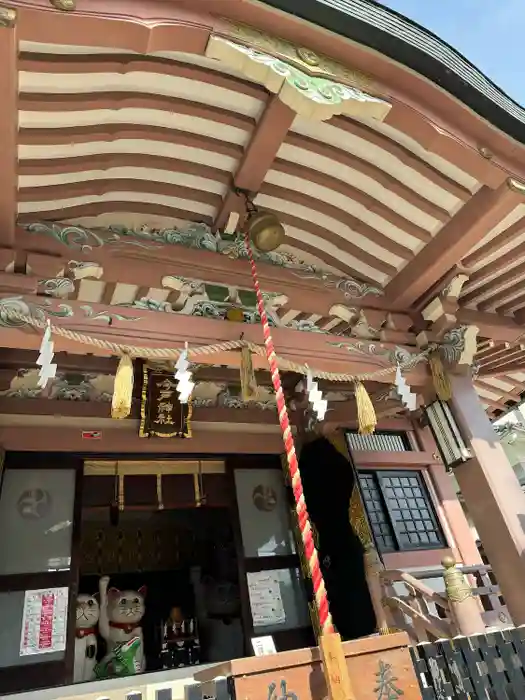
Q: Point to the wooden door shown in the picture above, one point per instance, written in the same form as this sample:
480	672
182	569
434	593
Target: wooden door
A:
40	507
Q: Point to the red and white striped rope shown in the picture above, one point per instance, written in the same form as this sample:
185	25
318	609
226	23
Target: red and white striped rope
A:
312	556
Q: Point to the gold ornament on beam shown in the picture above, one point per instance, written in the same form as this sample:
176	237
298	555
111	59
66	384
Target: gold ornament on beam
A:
235	314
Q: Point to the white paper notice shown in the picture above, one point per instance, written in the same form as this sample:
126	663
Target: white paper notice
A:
44	622
266	602
263	646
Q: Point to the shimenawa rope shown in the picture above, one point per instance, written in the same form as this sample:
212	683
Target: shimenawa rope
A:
173	353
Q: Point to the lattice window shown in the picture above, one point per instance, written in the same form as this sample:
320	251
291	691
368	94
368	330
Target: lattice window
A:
400	510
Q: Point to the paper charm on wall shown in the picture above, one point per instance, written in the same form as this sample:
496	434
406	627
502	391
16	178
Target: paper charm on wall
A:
407	396
183	376
48	369
315	397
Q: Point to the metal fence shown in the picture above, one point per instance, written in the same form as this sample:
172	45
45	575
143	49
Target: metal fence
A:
482	667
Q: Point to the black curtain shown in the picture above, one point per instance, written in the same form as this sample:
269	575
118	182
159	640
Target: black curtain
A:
328	479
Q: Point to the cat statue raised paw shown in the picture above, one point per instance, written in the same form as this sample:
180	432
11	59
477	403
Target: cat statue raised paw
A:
86	638
119	622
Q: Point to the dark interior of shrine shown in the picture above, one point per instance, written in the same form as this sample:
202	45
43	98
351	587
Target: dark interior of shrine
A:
185	559
328	480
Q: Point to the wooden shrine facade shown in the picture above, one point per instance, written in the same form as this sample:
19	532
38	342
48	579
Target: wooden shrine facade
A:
141	140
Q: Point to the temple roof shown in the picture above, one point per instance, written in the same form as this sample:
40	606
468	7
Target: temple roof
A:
390	159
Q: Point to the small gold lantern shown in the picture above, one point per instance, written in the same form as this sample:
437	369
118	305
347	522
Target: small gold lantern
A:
266	231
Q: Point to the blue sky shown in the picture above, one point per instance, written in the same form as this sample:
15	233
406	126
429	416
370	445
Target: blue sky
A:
490	33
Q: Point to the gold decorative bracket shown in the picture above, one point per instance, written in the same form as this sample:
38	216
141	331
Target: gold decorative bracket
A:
313	86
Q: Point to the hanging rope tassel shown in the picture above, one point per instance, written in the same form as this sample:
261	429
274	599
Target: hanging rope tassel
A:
123	388
248	381
305	527
366	415
439	377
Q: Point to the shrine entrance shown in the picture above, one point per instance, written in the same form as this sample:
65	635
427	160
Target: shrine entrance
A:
329	481
161	532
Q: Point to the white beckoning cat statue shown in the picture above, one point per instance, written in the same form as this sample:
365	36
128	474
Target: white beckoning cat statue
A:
120	616
86	638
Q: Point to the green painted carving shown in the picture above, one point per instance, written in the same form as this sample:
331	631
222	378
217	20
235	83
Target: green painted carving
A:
90	313
200	237
58	287
65	386
228	398
396	356
45	310
319	90
349	287
205	307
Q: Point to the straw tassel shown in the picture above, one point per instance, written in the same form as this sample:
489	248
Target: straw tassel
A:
248	381
366	415
439	377
123	388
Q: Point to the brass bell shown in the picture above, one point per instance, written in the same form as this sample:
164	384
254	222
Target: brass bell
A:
266	231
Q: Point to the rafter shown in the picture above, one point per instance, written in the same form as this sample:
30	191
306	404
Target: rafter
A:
473	221
505	395
505	238
503	370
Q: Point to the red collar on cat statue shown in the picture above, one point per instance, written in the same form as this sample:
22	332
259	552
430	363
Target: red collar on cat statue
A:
128	628
84	631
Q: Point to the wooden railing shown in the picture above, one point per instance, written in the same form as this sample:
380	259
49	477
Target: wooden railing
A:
439	603
416	608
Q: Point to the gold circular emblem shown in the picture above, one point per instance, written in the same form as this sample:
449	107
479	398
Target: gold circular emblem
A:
308	56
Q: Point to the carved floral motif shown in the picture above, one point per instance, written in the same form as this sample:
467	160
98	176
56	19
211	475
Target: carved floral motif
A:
41	312
299	85
58	287
200	237
64	387
397	356
304	58
459	345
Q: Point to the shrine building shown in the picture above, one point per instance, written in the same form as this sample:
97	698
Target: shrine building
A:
262	295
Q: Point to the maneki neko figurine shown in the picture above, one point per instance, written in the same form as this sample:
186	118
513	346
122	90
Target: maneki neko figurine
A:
121	613
86	638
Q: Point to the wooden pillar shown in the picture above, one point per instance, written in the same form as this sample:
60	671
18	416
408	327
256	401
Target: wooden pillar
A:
463	606
493	496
